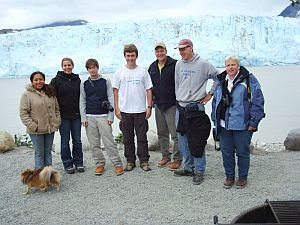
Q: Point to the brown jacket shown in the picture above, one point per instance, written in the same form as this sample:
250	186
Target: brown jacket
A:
38	112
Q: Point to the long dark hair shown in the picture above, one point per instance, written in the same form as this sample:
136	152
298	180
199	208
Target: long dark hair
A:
49	90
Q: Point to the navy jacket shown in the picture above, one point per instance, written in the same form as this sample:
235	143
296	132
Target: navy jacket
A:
163	84
67	89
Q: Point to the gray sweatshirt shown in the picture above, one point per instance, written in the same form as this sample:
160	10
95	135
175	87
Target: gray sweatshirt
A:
191	79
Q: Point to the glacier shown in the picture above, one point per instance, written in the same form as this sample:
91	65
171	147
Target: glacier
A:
258	41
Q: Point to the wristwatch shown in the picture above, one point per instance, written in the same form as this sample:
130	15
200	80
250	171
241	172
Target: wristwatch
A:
211	93
149	107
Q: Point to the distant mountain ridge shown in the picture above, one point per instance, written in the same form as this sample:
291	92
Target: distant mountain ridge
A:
62	23
291	11
54	24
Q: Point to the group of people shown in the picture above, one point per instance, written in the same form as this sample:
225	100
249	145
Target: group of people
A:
177	92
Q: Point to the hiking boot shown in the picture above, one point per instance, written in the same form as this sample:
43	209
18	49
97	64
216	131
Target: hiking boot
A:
129	167
79	169
174	165
70	170
99	170
198	178
145	166
164	161
241	183
119	170
183	172
228	183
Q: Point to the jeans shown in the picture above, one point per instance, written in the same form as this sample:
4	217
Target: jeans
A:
73	127
42	144
235	141
190	163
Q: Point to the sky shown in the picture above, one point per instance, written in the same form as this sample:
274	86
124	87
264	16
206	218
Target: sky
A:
20	14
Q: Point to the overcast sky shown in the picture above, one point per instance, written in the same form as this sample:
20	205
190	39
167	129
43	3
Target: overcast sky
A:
20	14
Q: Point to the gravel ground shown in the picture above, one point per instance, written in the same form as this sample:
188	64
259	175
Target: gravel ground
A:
135	198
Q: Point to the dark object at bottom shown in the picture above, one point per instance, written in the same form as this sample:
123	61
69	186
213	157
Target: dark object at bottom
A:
270	213
106	105
216	138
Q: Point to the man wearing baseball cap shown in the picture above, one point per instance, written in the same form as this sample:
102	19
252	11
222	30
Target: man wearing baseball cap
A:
193	125
184	43
162	75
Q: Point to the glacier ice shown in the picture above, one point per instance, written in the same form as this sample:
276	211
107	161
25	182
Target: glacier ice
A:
258	41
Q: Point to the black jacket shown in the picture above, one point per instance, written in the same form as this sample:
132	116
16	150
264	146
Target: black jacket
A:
196	126
164	83
68	92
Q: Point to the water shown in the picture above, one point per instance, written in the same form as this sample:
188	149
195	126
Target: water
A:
279	85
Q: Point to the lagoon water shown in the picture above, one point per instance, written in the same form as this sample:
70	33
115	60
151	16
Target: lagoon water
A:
280	85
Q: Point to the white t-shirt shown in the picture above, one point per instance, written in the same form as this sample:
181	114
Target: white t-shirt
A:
132	85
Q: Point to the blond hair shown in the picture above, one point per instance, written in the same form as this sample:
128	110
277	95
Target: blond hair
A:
234	58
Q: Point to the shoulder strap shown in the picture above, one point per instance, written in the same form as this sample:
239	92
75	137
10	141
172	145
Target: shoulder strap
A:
249	88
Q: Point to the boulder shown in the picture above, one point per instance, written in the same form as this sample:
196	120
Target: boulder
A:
6	141
292	141
153	144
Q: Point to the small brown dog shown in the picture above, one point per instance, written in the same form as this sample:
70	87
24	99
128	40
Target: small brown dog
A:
40	178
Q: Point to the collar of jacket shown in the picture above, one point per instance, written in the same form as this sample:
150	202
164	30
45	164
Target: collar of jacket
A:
65	76
30	88
169	61
243	73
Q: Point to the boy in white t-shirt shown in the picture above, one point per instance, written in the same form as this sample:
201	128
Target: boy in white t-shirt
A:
133	105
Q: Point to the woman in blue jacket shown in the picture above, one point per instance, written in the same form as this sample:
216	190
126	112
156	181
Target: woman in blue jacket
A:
237	109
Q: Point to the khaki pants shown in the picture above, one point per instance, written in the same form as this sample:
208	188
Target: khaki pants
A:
165	124
96	130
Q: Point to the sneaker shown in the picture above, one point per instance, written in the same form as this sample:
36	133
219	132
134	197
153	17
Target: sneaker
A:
183	172
241	183
145	166
198	178
174	165
228	183
119	170
79	169
99	170
70	170
164	161
129	166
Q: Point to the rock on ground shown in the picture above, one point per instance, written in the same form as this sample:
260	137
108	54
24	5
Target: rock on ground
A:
6	141
292	141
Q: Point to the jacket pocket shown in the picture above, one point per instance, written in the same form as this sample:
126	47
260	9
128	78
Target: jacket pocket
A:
33	127
56	123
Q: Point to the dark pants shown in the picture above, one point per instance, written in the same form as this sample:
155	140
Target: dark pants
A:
72	127
135	122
